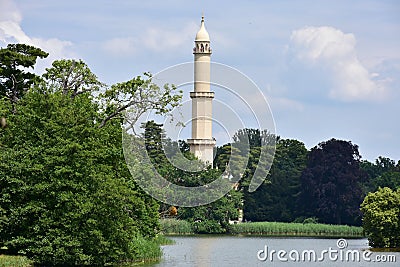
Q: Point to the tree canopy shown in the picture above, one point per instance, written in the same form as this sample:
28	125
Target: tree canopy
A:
72	77
66	194
381	221
15	80
331	182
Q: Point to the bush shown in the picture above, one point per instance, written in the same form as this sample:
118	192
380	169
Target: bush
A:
381	220
207	227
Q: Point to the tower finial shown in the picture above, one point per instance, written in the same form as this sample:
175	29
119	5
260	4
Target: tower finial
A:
202	16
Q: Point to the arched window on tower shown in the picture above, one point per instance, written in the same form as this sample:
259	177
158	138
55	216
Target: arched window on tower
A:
202	48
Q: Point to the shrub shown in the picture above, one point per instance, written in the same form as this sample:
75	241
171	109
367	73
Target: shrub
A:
381	220
207	227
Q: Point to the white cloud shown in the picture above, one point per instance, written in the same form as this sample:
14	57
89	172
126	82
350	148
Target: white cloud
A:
9	11
11	32
285	104
156	39
333	52
121	46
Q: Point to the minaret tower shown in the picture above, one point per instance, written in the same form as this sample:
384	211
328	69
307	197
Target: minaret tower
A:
202	143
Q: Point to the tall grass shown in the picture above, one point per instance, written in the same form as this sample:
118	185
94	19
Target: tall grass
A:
162	240
177	227
147	250
15	261
297	229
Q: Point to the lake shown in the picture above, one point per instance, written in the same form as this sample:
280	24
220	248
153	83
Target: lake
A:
271	251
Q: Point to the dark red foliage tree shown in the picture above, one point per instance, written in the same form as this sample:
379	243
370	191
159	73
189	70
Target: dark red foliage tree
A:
331	183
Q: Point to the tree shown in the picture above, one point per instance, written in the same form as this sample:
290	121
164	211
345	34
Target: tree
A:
381	218
65	188
331	183
136	97
250	143
277	200
15	80
383	173
210	218
214	218
72	77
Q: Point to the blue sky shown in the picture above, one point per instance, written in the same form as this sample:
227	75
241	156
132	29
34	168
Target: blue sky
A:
329	69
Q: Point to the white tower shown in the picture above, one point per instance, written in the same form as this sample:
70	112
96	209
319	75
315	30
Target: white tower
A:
202	143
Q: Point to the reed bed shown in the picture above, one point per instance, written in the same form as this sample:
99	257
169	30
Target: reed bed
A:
297	229
163	240
147	250
176	227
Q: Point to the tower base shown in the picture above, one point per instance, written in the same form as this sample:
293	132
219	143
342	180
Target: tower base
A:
203	149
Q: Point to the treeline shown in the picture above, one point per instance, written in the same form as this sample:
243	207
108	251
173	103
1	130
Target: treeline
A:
327	183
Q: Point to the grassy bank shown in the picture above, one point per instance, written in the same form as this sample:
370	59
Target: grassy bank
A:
180	227
147	251
297	229
15	261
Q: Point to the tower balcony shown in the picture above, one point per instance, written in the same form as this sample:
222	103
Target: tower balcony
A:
209	142
201	94
202	49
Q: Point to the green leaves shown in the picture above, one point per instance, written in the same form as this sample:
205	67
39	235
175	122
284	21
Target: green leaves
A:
278	199
65	193
137	96
381	221
14	79
72	77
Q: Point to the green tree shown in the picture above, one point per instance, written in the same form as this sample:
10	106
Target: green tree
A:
383	173
277	200
247	145
65	187
210	218
137	96
331	183
72	77
15	80
381	217
213	218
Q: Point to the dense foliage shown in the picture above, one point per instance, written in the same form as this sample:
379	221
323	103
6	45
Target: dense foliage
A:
210	218
381	220
63	185
66	195
277	199
331	183
15	79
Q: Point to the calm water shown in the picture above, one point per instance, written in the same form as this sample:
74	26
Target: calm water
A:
242	251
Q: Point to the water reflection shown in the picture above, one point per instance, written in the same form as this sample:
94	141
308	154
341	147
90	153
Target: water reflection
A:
242	251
